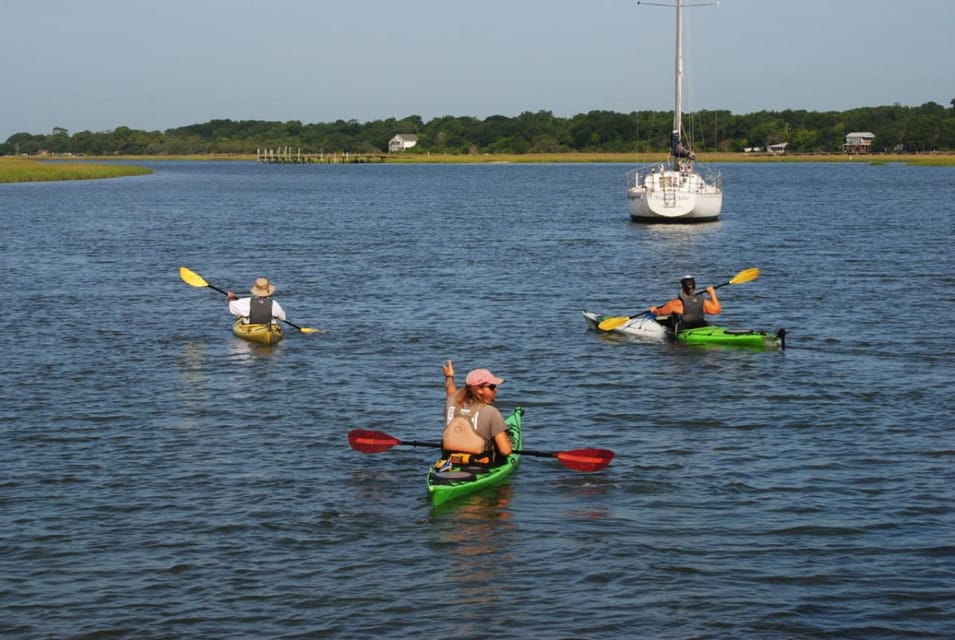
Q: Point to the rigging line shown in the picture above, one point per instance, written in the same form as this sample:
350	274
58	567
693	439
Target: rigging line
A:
689	71
694	125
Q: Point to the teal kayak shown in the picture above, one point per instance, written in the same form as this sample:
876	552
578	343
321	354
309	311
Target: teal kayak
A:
461	480
722	336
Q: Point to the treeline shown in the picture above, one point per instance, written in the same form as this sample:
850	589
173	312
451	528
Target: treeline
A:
929	127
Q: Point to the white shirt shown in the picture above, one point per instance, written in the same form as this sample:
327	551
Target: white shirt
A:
240	307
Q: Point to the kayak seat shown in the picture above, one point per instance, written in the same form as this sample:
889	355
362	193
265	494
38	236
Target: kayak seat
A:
451	477
475	468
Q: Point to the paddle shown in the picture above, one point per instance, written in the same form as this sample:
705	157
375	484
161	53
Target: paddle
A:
746	275
195	280
585	460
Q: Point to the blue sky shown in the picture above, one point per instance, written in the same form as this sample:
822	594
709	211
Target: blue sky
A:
98	64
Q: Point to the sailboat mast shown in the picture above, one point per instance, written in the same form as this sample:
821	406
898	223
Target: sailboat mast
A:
678	88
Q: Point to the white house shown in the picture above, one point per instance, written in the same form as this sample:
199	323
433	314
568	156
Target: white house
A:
858	142
402	141
779	147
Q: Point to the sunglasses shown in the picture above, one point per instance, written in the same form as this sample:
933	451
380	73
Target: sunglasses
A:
492	387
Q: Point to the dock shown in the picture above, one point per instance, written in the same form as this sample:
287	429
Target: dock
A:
286	155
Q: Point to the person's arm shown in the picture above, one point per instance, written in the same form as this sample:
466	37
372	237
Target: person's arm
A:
503	443
671	306
712	305
449	387
501	435
277	310
235	308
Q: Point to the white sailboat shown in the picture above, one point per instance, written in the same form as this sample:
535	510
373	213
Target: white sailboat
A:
675	191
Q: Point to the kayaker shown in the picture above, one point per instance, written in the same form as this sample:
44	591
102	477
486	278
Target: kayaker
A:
260	308
689	309
473	425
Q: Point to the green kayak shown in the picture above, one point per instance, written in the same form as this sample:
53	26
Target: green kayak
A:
461	480
722	336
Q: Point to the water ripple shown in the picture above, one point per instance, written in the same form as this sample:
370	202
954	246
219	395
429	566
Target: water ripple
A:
162	479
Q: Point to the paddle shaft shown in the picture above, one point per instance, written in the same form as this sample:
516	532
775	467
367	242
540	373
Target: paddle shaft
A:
585	460
539	454
415	443
522	452
222	291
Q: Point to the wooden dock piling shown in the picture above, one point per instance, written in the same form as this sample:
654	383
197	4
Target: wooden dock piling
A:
286	155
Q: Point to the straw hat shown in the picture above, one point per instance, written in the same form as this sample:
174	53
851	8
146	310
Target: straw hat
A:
262	288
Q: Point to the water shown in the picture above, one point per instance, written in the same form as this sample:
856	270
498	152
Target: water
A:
162	479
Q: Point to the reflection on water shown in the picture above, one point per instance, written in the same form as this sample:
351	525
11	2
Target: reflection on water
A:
243	349
474	537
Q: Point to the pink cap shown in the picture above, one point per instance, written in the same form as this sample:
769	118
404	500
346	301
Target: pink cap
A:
481	376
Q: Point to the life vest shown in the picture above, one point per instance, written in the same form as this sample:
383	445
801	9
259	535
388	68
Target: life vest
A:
260	310
460	430
692	311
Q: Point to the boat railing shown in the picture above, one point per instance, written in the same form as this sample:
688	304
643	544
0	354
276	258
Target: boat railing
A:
635	176
710	175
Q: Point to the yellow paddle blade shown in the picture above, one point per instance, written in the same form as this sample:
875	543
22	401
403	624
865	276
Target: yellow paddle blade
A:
192	278
311	330
303	329
746	275
612	323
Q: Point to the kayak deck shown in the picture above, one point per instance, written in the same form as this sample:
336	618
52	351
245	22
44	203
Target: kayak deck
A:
722	336
461	480
258	333
642	327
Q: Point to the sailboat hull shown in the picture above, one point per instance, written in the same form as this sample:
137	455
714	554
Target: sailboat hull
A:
673	196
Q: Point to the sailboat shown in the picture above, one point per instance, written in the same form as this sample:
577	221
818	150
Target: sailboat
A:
675	191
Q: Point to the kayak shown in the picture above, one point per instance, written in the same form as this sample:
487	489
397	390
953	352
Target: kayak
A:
260	333
749	338
649	329
642	327
460	480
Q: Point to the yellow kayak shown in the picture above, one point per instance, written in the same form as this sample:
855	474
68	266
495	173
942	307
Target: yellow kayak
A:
260	333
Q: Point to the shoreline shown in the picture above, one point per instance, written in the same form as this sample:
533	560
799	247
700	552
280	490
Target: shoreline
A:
53	168
939	159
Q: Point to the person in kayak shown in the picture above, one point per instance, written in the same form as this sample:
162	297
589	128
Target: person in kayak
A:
472	424
260	308
689	309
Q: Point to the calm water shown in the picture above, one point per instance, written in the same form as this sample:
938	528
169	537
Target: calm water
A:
162	479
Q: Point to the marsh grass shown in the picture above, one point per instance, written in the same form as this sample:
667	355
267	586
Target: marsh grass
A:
29	170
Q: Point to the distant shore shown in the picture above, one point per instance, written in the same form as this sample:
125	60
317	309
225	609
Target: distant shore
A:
98	167
937	159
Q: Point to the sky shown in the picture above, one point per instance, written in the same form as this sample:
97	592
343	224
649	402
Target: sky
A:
94	65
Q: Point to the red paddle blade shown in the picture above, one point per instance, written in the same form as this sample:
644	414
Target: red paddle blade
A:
585	460
371	441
